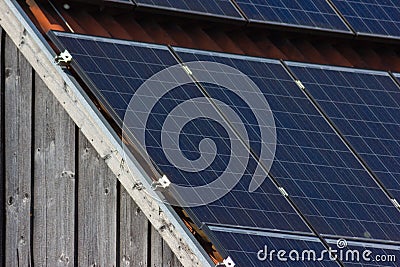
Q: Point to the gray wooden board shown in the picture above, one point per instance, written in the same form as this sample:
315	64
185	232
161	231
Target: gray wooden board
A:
2	180
18	125
97	209
54	181
161	254
134	228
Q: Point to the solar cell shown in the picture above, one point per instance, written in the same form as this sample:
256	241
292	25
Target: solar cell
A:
220	8
365	106
372	17
255	248
315	14
115	70
321	175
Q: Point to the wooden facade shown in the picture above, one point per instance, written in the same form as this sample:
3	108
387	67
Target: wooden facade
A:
60	204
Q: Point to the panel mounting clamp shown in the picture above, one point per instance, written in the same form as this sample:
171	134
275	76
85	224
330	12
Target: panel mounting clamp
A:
283	191
187	70
63	58
228	262
300	84
162	183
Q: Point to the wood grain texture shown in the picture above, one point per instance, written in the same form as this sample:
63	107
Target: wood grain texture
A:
156	249
2	167
18	160
133	233
168	258
54	181
97	209
161	254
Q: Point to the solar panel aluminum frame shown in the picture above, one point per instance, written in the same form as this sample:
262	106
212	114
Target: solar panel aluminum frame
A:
372	174
193	14
288	26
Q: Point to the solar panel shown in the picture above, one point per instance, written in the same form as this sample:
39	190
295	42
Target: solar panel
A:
315	14
365	106
115	71
372	17
220	8
320	174
255	248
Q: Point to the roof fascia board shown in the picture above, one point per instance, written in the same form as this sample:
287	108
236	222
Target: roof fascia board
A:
39	54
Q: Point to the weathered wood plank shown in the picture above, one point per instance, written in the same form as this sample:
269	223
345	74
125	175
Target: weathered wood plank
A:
133	232
169	259
156	249
18	125
54	181
97	208
161	254
2	180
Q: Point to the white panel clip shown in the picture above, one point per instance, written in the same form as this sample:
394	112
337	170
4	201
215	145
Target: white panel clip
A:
187	70
63	58
162	183
283	191
300	84
228	262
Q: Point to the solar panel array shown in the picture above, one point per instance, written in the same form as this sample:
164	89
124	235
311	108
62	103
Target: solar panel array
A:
362	17
330	194
316	14
115	79
372	17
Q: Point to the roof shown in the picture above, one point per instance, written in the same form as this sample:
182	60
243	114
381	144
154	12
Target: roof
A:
123	22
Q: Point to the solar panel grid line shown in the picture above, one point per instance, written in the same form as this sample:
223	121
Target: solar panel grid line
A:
331	118
374	187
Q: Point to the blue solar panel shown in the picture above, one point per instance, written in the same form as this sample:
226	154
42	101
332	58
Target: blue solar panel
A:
365	106
114	70
372	17
316	14
220	8
244	248
321	175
